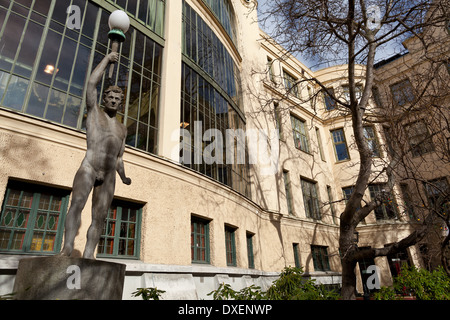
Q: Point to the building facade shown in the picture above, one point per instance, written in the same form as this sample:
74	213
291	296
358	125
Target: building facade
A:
236	171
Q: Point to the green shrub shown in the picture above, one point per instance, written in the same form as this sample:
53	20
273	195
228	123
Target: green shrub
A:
225	292
148	293
291	285
385	293
423	284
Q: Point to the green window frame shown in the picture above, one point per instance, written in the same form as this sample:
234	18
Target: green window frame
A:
301	140
32	219
200	241
290	83
311	199
250	252
122	231
340	145
230	246
296	249
320	258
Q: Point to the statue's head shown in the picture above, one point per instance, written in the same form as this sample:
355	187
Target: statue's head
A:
113	98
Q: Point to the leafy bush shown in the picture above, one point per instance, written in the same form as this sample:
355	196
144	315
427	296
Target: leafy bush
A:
148	293
386	293
225	292
423	284
291	285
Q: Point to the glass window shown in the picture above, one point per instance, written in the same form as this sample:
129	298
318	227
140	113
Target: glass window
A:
402	92
121	231
300	134
310	199
358	92
230	246
408	201
290	83
205	107
296	249
250	253
320	258
419	138
44	65
372	142
438	194
387	210
340	145
32	219
199	240
202	46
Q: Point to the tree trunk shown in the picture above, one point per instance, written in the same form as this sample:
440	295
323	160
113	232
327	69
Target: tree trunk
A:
348	279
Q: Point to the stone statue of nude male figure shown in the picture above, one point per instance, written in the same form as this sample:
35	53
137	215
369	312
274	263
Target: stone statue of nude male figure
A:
105	137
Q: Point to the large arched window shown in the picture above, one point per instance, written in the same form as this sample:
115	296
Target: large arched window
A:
210	100
45	63
224	12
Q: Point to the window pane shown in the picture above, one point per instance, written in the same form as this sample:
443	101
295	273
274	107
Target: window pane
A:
15	93
38	99
28	50
9	42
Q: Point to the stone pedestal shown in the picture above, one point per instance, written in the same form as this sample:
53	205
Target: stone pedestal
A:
64	278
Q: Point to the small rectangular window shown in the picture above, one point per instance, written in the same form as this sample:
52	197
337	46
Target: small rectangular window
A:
300	134
419	138
372	142
250	253
290	83
296	249
199	240
402	92
311	199
320	258
32	219
121	231
387	209
230	246
340	145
